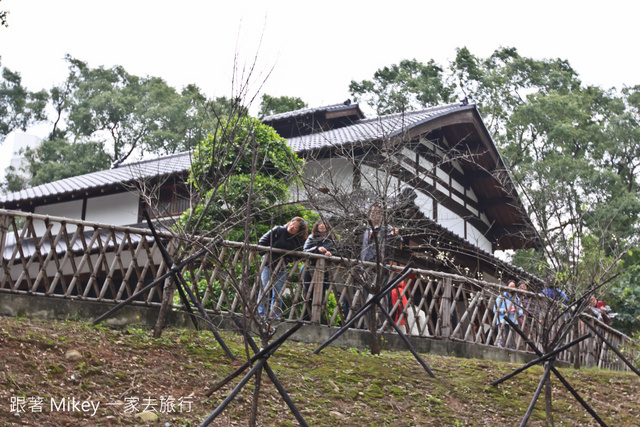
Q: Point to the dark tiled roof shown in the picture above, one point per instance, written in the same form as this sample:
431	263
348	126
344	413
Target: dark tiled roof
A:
371	129
361	131
125	173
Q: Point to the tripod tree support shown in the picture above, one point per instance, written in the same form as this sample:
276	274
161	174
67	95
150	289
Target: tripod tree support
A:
272	376
560	377
234	393
536	395
261	356
542	358
182	283
376	298
406	340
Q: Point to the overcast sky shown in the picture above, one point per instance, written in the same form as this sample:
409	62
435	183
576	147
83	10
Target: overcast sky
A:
313	48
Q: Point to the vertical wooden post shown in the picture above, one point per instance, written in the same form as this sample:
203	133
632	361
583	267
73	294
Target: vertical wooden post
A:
317	283
4	227
576	348
445	308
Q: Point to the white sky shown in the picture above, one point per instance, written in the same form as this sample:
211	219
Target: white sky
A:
315	48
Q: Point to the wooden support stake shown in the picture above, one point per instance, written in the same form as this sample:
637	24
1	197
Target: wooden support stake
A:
536	395
557	373
365	308
405	339
542	358
185	286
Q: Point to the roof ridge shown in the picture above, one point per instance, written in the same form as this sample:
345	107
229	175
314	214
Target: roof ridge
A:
139	162
409	113
305	110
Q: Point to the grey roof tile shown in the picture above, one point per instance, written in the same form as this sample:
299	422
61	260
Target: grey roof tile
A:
371	129
361	131
127	172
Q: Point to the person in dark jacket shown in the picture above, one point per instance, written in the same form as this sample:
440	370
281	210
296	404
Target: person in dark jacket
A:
376	237
386	239
320	241
289	237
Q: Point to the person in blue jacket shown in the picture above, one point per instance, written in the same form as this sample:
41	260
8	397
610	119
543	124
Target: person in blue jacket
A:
507	304
289	237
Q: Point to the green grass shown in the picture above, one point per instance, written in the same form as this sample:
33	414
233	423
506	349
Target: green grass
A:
338	387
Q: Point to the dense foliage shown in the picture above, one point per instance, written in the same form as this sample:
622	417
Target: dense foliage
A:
271	105
102	115
242	169
19	108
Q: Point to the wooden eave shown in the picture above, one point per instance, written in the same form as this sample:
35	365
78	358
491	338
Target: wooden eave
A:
488	177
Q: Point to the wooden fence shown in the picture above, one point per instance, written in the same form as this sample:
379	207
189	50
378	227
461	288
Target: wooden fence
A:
65	258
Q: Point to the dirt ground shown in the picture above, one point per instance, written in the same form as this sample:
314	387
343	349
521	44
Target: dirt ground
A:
73	374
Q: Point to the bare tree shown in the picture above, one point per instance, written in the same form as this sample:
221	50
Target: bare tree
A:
237	189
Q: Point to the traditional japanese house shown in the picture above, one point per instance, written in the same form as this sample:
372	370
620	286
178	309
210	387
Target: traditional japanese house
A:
440	166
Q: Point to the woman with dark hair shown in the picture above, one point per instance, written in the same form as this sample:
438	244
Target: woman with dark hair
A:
320	241
289	237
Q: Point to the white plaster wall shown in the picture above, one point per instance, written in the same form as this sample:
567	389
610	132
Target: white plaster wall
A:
442	175
472	195
474	236
425	203
456	164
451	221
484	219
428	166
115	209
379	181
334	173
456	185
338	173
457	199
426	143
72	209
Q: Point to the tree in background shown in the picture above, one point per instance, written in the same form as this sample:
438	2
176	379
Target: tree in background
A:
101	116
57	159
403	87
624	295
132	113
275	105
19	108
3	18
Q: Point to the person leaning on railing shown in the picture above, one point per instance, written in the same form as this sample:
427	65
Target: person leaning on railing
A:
507	304
524	302
598	309
320	241
289	237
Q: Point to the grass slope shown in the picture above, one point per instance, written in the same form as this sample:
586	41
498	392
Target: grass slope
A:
339	387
